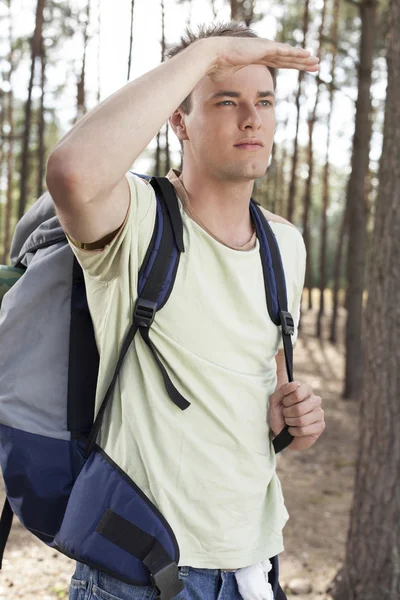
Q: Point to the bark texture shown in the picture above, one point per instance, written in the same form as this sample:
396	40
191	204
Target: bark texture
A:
81	87
325	187
131	40
10	145
372	565
336	278
42	123
295	157
36	43
307	199
357	202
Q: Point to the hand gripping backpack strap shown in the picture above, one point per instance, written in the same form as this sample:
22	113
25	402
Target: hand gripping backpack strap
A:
276	296
155	282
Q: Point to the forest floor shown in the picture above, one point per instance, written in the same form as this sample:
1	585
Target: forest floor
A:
317	486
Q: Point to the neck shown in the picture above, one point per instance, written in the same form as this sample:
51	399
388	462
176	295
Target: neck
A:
222	205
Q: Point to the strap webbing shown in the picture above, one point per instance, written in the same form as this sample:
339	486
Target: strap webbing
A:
6	520
173	393
145	547
274	281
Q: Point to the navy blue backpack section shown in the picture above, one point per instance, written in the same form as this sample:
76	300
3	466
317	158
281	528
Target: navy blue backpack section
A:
68	492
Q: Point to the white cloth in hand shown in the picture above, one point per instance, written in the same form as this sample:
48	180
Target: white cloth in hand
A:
253	581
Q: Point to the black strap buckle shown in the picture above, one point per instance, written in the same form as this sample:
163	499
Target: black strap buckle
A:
144	312
287	322
167	581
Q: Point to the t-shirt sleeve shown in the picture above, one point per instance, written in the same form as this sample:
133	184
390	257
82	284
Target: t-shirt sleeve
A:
293	252
109	262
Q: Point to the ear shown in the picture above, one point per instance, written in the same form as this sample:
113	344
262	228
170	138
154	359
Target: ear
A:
177	122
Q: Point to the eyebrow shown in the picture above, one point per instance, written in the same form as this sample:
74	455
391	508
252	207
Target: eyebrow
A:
233	94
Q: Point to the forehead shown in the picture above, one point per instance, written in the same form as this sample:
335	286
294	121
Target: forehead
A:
247	81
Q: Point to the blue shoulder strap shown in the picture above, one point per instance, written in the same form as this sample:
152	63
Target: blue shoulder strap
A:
276	296
155	282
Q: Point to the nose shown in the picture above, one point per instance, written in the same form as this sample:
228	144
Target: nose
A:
249	118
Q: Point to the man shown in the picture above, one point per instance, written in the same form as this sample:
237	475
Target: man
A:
210	470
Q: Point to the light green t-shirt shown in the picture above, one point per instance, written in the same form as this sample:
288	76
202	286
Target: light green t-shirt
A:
210	469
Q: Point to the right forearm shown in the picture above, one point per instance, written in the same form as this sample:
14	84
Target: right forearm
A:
103	145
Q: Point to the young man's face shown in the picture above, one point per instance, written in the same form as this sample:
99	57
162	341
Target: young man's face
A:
224	115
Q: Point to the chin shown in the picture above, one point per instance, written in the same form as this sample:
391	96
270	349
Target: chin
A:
249	171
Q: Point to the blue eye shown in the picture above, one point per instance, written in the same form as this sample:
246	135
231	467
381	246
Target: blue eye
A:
231	103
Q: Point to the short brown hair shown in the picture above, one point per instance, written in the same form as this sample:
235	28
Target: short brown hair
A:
231	29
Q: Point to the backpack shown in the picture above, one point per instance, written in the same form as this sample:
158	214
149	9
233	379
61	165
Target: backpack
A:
59	482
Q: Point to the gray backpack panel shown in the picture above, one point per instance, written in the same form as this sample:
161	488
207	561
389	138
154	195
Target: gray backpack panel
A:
34	327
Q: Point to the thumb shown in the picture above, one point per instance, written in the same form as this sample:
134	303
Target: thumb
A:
284	390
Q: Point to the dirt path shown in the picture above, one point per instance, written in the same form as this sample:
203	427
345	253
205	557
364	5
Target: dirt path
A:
317	485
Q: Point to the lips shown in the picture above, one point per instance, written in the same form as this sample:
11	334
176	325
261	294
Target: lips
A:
249	143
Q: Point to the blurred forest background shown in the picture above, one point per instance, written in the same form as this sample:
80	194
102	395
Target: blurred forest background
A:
327	175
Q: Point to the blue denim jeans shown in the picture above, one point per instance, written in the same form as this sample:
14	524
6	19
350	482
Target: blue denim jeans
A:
200	584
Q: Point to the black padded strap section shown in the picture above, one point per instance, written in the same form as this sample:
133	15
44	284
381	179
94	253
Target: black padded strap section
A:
167	191
100	415
173	393
284	438
159	282
6	520
145	547
83	362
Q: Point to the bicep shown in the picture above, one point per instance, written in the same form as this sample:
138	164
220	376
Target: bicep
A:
93	221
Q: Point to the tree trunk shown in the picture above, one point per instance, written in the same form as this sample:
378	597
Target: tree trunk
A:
10	145
371	569
163	159
337	277
35	52
42	125
2	145
81	92
293	180
167	152
356	200
99	51
325	194
281	183
243	11
131	40
310	157
189	15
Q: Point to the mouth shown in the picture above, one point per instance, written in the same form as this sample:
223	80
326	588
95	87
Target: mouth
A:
249	145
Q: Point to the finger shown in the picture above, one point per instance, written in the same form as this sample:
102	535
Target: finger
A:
288	50
310	430
304	65
302	392
290	60
302	408
308	60
312	417
288	388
